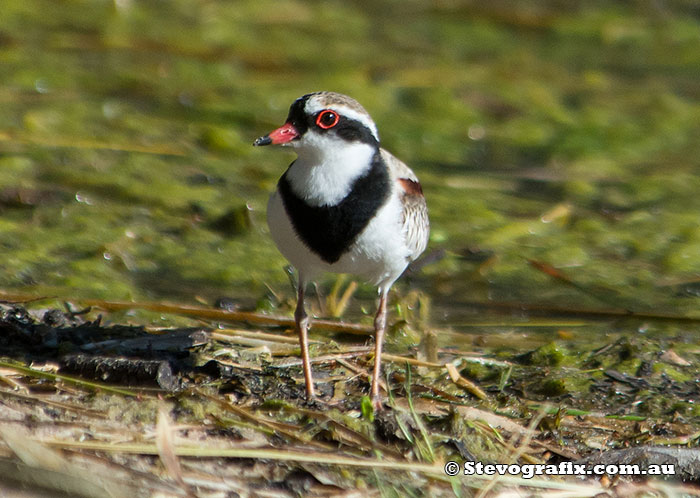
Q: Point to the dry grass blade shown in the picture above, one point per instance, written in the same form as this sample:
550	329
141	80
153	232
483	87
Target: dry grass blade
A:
30	452
92	386
56	404
287	430
227	316
462	382
12	382
267	345
483	361
411	361
166	449
534	309
321	458
224	335
48	469
328	358
57	483
467	359
428	453
492	419
346	435
603	294
247	366
337	305
524	440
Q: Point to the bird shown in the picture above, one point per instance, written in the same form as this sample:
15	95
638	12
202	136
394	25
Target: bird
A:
345	205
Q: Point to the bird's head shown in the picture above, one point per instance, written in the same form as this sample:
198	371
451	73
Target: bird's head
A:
323	121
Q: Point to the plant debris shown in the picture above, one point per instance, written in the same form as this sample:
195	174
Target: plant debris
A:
234	418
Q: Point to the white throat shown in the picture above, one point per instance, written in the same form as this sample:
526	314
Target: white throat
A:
324	173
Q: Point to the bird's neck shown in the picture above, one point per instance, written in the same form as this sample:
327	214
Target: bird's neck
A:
324	176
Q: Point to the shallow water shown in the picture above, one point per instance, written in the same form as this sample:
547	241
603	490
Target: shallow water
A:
567	137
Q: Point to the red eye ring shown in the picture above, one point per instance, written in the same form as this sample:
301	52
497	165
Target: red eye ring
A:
327	119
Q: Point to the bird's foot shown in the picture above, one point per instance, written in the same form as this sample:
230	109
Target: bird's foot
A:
377	403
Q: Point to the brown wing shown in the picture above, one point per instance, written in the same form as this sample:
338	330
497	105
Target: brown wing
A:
415	217
415	211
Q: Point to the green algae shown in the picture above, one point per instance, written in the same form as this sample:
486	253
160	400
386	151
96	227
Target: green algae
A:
549	355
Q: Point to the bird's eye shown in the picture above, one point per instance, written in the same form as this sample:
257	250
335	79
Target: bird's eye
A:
327	119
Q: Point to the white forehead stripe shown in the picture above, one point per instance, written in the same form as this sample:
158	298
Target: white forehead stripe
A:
313	106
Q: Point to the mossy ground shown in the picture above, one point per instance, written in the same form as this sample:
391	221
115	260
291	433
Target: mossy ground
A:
234	405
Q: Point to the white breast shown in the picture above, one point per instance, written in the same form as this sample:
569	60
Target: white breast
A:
323	176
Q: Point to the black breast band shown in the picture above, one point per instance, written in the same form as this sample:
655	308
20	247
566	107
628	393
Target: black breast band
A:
329	231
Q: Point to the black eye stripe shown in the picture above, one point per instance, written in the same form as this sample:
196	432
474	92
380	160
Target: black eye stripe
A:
347	129
297	116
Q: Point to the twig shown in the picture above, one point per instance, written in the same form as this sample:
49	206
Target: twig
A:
462	382
227	316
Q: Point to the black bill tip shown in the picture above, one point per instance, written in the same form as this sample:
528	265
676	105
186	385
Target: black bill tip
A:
266	140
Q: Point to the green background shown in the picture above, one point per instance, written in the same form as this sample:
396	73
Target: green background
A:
563	132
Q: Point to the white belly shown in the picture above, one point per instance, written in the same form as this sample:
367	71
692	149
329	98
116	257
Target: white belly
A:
379	254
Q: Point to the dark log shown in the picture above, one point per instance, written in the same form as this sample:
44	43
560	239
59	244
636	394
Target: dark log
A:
120	370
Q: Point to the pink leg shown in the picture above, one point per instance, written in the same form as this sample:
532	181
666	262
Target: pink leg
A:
379	328
302	326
